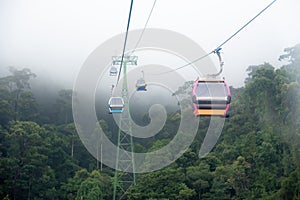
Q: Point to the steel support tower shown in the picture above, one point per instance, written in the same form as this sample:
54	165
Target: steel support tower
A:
123	180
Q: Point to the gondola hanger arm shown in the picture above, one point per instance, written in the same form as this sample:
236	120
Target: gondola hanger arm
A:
221	63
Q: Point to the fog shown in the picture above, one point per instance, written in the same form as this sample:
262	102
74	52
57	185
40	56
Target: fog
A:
54	38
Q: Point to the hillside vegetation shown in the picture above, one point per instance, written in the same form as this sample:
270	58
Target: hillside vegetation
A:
256	157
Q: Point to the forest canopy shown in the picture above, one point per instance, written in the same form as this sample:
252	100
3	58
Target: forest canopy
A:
257	156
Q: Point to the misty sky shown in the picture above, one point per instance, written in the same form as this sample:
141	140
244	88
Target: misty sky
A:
55	37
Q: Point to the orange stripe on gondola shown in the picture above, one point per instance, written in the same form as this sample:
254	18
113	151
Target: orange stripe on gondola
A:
209	112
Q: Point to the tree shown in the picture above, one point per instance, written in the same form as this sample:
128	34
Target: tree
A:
166	183
90	189
85	185
253	71
6	111
25	165
28	107
199	178
63	107
73	184
292	55
15	85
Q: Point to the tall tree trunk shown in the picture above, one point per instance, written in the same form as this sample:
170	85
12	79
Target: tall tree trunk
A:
16	114
29	190
72	147
66	118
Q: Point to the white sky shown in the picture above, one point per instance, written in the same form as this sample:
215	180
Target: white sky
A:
56	36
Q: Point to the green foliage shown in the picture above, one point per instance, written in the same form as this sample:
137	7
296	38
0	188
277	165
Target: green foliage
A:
162	184
90	188
63	107
257	156
25	163
16	100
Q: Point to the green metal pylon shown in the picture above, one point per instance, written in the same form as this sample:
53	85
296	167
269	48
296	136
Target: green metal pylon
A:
123	180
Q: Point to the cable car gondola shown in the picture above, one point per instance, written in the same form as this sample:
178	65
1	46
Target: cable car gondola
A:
211	97
116	105
141	84
113	71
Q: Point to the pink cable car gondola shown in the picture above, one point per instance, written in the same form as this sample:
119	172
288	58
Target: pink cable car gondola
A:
211	97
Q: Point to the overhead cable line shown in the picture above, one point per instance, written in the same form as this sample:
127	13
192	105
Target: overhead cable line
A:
246	24
124	47
217	50
140	38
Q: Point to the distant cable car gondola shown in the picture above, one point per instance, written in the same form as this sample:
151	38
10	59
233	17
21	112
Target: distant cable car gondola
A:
141	84
113	71
116	105
211	97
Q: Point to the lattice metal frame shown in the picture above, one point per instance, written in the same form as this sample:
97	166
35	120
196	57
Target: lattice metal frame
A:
123	180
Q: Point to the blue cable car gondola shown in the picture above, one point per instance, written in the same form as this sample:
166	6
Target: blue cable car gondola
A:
141	84
113	71
116	105
211	97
